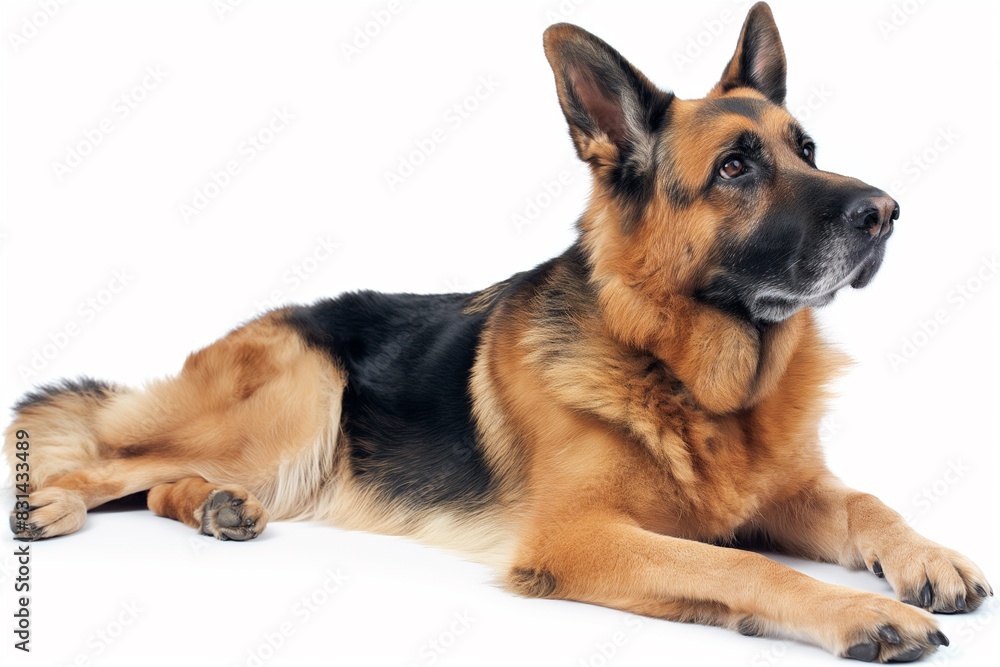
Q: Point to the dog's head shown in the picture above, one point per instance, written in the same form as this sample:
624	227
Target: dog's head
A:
718	198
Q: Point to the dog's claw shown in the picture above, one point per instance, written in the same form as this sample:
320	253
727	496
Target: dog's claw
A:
877	570
889	634
927	595
24	532
938	639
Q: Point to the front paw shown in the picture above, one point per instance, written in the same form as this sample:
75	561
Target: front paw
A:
927	575
874	628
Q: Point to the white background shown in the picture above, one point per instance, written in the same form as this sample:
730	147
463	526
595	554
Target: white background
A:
901	430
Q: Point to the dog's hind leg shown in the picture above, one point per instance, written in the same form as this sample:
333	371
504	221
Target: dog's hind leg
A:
259	408
228	512
66	450
61	506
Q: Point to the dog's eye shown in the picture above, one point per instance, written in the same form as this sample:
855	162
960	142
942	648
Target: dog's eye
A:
732	168
809	152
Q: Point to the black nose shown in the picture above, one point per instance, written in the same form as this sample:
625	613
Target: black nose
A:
873	214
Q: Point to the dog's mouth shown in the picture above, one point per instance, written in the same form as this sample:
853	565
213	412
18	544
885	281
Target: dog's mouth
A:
848	265
869	268
772	304
762	304
771	308
809	277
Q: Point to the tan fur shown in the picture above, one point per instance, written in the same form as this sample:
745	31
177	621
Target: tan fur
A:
223	511
616	516
258	408
181	500
65	425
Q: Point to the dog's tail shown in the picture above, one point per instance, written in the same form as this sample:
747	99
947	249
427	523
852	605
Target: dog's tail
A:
67	418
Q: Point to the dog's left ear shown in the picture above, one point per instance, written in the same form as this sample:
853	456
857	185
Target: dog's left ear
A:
759	61
613	110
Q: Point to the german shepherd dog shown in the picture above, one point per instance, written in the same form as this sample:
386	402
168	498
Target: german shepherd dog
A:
599	428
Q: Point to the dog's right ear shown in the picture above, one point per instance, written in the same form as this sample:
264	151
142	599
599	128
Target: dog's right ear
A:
613	110
759	61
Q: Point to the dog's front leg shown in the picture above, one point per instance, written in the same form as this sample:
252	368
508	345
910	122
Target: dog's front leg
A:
605	559
834	523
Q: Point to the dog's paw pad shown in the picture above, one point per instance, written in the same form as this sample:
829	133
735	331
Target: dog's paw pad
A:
231	513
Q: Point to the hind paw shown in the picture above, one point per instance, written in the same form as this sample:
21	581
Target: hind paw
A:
231	513
51	511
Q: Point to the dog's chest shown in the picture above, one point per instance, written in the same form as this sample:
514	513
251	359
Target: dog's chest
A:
714	473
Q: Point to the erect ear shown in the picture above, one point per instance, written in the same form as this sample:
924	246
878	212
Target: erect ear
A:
608	103
759	61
